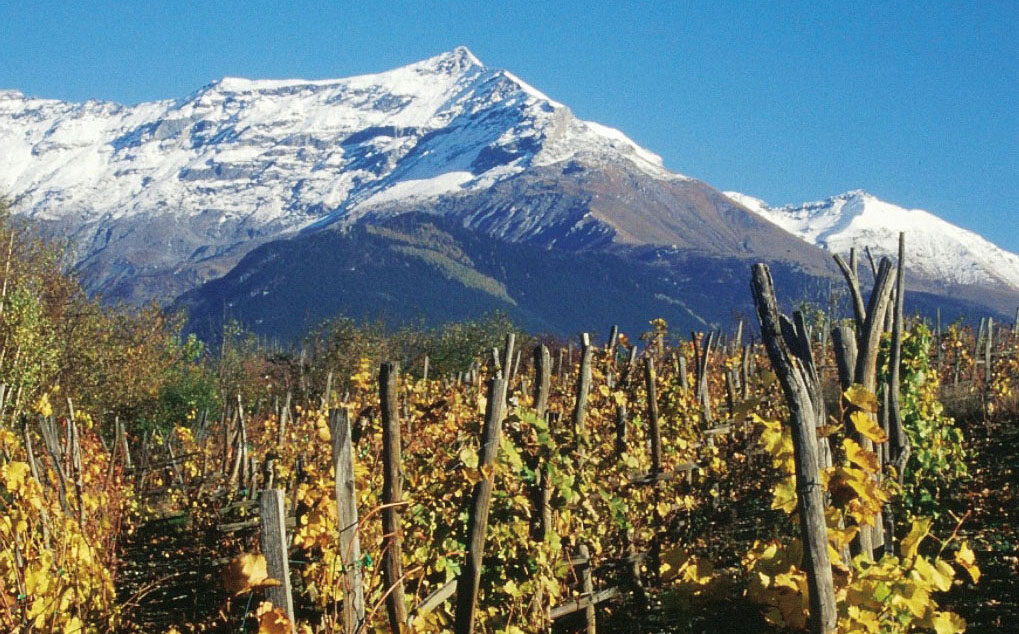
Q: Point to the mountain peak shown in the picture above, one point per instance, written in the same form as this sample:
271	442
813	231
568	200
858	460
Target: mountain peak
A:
855	193
451	62
937	250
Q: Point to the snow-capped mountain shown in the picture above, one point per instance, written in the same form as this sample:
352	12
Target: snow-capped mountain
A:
935	248
159	197
284	151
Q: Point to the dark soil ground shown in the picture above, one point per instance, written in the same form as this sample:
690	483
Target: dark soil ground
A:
991	496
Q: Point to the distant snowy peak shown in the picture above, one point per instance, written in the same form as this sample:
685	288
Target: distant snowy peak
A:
291	152
935	249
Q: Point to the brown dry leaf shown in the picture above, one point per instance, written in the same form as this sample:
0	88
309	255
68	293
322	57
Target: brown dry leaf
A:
245	573
274	621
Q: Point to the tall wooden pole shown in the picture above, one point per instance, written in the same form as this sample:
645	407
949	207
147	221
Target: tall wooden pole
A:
470	577
792	359
392	497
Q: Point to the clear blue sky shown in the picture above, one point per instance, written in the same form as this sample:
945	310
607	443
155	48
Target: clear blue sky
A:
916	102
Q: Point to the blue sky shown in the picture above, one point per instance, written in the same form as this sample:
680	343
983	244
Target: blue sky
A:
916	102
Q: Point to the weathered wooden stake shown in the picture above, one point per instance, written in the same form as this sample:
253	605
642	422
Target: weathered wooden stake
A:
684	380
272	521
583	390
898	442
745	372
392	496
470	577
346	512
542	376
652	415
791	357
587	589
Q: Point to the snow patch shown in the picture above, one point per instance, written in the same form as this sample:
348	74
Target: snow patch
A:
419	189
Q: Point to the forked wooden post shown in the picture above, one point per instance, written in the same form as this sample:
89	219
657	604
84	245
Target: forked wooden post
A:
470	577
346	512
898	442
869	327
790	354
272	519
392	496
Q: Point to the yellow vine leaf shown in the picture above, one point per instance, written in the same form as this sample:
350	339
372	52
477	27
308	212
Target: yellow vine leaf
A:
865	620
868	427
37	581
965	558
245	573
784	495
678	563
73	626
948	623
861	397
911	542
14	474
469	457
43	407
938	576
866	460
914	598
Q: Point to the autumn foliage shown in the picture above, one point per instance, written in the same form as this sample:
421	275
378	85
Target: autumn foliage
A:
111	420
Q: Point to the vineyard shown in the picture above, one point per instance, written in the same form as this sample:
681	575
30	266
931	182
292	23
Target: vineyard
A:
850	474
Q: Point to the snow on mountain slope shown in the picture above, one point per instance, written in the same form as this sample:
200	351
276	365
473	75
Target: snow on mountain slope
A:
292	151
935	248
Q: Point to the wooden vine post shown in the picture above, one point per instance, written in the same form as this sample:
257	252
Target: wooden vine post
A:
869	321
346	512
652	416
481	500
583	390
899	441
542	378
392	497
788	347
702	355
272	519
587	588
